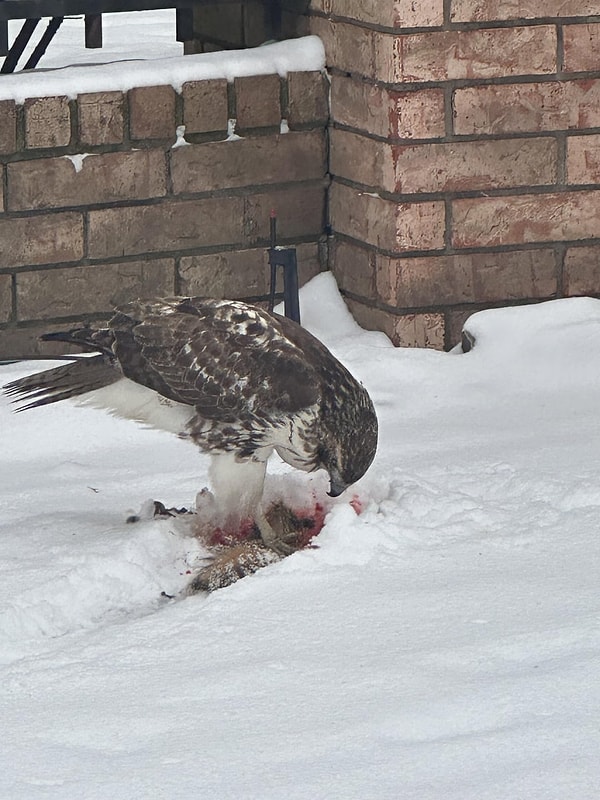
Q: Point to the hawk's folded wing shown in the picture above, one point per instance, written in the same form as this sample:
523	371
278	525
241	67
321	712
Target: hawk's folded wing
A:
226	360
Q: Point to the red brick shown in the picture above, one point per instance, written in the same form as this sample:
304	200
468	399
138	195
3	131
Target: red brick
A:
486	10
527	107
300	212
557	217
581	275
47	122
466	278
243	162
408	14
307	99
103	178
581	47
257	101
167	227
44	239
386	112
583	159
205	106
397	227
101	118
5	301
456	166
16	342
369	318
8	126
387	13
419	330
463	166
361	159
407	330
349	48
152	112
418	115
238	273
491	53
91	289
438	55
311	258
353	268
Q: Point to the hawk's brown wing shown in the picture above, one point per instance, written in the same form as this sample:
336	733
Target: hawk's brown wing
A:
226	359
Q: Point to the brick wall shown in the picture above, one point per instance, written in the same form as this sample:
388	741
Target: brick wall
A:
465	156
138	216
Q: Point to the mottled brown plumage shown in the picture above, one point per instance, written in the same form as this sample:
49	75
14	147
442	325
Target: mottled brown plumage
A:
238	381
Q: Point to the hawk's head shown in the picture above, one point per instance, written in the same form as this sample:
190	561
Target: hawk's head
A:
347	450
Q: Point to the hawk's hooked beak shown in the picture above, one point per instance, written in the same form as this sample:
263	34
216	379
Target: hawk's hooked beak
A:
336	488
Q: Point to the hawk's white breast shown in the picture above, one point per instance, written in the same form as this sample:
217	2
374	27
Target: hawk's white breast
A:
295	441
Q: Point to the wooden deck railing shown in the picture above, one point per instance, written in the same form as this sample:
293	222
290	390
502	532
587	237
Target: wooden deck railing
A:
32	12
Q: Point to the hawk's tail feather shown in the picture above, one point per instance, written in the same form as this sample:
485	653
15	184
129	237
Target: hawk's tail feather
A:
69	380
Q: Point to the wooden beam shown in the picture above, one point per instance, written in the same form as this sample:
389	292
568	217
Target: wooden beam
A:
93	30
184	24
3	37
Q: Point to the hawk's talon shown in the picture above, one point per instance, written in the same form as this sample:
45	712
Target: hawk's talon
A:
276	541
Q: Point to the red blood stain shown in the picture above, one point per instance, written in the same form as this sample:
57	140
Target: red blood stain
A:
228	538
357	505
307	525
311	522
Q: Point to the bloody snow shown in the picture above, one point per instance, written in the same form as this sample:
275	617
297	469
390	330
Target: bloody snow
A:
441	643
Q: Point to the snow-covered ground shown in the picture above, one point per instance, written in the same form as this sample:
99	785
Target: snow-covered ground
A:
443	645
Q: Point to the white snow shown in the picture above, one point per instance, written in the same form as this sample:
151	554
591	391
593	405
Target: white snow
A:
442	645
140	50
78	159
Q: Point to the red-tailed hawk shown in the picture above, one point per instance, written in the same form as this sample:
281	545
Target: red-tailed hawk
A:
238	381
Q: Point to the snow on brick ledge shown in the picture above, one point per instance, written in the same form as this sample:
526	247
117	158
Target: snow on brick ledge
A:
296	55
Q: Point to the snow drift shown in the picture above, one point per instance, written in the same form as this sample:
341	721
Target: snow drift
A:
443	643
